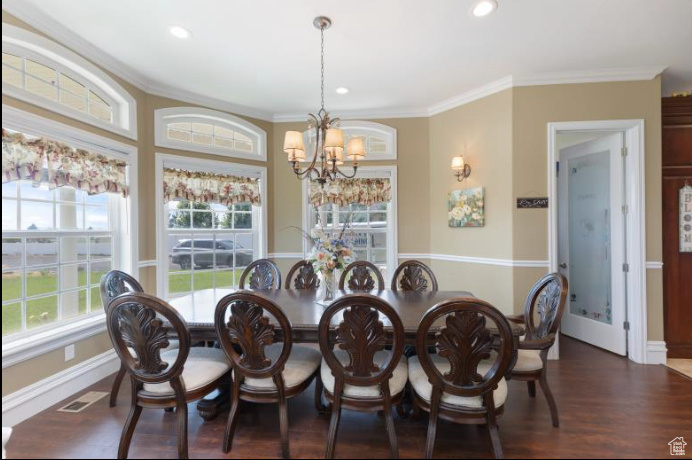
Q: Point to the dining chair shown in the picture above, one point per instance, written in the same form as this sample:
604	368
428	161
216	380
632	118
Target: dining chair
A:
413	275
138	325
113	284
543	311
249	328
360	375
361	276
261	275
460	383
305	277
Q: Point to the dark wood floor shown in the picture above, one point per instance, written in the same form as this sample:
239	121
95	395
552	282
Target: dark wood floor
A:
609	407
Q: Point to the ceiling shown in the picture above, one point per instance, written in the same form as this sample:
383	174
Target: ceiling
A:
394	55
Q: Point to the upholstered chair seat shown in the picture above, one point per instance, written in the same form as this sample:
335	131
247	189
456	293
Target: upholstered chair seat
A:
396	384
203	366
543	311
463	379
357	372
528	360
421	384
267	368
302	364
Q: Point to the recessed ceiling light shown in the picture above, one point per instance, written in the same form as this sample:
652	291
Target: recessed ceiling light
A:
180	32
483	8
342	90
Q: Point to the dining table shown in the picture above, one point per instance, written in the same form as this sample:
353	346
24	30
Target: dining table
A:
304	309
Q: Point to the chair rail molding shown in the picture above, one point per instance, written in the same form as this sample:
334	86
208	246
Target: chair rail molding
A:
477	260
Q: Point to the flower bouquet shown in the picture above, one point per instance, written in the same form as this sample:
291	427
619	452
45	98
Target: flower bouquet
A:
330	253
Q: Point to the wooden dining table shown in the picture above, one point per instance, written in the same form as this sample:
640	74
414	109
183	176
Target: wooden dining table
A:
304	310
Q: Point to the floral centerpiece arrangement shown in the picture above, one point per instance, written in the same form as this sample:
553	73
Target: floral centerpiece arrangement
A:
330	253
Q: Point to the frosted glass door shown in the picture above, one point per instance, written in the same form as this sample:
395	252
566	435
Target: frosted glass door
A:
591	240
589	237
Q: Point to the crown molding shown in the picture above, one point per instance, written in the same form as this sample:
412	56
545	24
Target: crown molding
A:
591	76
371	114
210	102
36	18
44	23
472	95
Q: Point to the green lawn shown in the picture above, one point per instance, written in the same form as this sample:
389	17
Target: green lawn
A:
45	310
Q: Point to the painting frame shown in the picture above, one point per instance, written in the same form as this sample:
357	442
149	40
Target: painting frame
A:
466	208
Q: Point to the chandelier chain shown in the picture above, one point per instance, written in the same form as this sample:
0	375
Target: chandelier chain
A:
322	64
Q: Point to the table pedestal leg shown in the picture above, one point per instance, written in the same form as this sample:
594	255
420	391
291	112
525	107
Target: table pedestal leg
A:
215	403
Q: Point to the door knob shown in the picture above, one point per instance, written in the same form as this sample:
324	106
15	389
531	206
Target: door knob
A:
563	265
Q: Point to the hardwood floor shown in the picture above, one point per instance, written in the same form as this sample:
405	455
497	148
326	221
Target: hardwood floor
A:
608	406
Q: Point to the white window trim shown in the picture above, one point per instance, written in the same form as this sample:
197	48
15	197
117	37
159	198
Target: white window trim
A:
30	345
162	117
363	128
19	41
392	229
164	160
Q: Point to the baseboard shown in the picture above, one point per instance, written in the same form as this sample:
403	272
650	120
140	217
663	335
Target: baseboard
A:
29	401
656	352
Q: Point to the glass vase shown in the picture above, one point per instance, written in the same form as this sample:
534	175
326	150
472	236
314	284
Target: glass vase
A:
329	285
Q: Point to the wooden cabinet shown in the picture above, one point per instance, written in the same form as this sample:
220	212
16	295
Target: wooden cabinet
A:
677	266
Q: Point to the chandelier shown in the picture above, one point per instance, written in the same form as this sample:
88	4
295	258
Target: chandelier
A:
329	139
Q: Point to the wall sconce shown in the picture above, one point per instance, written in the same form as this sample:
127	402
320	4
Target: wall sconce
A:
461	169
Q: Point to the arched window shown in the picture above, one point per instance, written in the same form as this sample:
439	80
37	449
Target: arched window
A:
380	140
209	131
46	74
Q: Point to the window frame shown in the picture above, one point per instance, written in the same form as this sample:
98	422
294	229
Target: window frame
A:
164	117
28	45
359	128
21	347
164	160
114	208
389	172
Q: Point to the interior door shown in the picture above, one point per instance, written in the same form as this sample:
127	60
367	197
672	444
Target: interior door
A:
591	231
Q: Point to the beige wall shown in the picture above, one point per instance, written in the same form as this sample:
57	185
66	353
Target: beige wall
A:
534	108
503	137
482	132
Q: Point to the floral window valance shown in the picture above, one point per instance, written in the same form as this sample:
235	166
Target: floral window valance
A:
203	187
46	162
343	192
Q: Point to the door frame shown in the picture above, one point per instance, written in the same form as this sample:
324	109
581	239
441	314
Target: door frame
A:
635	249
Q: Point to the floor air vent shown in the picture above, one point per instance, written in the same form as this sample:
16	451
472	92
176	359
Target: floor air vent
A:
84	401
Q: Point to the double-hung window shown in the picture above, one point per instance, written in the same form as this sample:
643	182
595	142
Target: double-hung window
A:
209	244
212	223
371	227
57	243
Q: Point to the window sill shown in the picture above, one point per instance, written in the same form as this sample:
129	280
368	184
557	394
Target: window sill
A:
32	345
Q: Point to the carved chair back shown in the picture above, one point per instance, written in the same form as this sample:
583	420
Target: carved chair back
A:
305	277
361	276
138	325
413	275
261	275
545	306
115	283
465	341
361	334
244	332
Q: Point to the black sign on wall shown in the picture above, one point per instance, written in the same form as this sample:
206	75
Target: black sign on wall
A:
532	203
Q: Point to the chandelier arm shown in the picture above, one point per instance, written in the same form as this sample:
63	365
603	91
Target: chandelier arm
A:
347	176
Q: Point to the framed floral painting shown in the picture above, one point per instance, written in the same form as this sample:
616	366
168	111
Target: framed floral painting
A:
466	208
